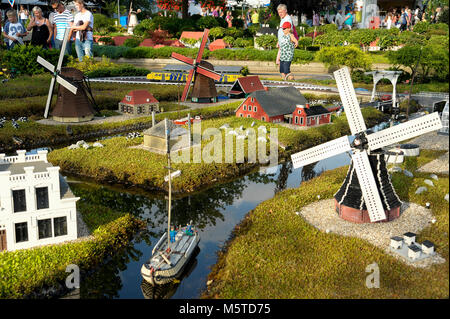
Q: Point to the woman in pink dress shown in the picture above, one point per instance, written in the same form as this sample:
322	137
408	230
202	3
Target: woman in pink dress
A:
229	19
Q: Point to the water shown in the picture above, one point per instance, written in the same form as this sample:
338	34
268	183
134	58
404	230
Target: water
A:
215	212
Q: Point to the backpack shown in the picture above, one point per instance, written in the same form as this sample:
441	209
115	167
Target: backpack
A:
403	19
294	31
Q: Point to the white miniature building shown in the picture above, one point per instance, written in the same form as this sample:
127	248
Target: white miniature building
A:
396	242
414	252
36	204
409	238
428	247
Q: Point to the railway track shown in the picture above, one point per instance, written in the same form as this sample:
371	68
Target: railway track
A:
267	83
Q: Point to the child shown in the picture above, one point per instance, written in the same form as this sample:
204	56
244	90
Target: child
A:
229	19
288	43
14	30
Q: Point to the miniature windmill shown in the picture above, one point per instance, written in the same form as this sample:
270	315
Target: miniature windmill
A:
72	103
367	194
204	87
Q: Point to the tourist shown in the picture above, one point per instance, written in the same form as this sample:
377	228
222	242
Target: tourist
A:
215	12
436	16
23	14
316	19
13	30
348	21
62	20
255	17
339	20
83	26
388	21
42	29
229	19
248	19
403	20
288	43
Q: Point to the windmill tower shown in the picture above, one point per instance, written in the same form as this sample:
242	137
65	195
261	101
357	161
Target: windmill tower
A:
367	194
204	90
73	104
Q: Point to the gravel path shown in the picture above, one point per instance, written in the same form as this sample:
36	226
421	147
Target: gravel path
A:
438	166
431	141
414	219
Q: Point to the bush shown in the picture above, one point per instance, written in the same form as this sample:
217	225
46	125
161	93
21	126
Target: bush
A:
102	22
132	42
234	32
243	43
304	42
349	56
267	41
23	58
229	40
143	28
207	22
106	40
217	33
111	52
421	27
362	37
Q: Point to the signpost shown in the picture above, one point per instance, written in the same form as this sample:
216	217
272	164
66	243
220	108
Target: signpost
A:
11	2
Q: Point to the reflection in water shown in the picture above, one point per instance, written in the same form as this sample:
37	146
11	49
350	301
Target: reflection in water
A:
167	291
285	171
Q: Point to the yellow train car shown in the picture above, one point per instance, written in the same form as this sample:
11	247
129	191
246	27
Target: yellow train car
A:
167	76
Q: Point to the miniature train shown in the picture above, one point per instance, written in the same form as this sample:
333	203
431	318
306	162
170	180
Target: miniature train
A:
171	76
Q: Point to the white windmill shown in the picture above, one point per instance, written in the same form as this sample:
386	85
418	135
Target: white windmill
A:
367	194
56	73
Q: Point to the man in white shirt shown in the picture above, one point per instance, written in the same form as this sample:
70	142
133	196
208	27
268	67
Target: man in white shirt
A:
339	20
83	26
284	17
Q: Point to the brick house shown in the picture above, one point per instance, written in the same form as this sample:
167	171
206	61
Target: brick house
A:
37	206
283	105
244	86
139	102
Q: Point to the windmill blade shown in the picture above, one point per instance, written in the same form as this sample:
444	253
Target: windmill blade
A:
72	88
63	49
404	131
182	58
349	101
368	186
202	46
49	97
46	64
209	73
188	85
320	152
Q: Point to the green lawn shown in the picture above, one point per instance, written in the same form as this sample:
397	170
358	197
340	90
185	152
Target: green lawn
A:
274	253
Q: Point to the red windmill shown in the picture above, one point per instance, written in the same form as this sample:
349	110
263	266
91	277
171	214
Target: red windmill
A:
203	73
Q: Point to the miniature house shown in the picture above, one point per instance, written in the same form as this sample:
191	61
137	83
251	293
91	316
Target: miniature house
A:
139	102
244	86
414	252
155	138
36	204
396	242
410	238
428	247
283	105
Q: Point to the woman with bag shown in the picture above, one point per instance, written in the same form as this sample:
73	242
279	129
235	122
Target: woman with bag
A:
83	26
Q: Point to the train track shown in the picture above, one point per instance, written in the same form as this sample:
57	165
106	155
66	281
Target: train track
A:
267	83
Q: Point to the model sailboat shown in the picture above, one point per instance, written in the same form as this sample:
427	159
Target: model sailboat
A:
176	246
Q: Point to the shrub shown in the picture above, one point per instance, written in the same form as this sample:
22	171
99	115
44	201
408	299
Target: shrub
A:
23	58
111	52
106	40
267	41
304	42
349	56
144	27
207	22
362	37
234	32
217	33
102	22
132	42
229	40
243	43
421	27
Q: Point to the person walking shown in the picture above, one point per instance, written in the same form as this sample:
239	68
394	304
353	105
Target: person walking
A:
23	14
62	20
13	30
284	17
339	20
348	21
404	20
288	43
42	30
255	17
83	26
229	19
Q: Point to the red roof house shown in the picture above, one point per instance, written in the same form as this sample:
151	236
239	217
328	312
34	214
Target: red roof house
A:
283	105
197	35
244	86
138	102
217	45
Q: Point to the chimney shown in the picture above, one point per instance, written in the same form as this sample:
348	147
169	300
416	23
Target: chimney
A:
307	105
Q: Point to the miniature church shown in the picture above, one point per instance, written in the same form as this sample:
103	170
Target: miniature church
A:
37	206
139	102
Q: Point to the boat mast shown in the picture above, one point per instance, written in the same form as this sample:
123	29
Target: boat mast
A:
166	122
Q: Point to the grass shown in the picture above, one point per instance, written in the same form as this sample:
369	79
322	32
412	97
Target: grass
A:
118	163
274	253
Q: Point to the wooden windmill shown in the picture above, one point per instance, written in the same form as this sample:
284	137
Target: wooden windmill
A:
367	194
72	104
204	90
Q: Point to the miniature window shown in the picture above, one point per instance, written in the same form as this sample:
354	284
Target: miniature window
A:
241	115
301	121
245	107
21	232
128	98
20	204
249	107
42	197
254	109
296	120
45	228
60	226
248	116
253	99
263	118
139	110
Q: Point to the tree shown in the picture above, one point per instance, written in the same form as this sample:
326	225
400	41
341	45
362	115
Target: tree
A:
349	56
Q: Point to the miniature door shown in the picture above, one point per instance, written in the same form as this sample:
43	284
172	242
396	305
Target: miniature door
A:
3	240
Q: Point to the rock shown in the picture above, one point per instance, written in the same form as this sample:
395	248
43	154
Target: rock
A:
408	173
434	176
98	144
420	190
327	231
79	143
86	146
73	147
253	124
429	182
446	197
395	169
